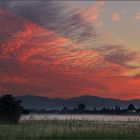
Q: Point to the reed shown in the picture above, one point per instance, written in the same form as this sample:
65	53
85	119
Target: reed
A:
70	129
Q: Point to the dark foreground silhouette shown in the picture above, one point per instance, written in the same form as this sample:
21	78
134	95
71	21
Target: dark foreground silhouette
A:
10	109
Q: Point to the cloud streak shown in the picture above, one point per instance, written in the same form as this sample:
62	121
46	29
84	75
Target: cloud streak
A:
44	52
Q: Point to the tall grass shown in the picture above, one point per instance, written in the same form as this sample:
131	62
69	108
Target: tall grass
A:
70	129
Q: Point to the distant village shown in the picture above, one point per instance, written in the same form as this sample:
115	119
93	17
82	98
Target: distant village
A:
81	109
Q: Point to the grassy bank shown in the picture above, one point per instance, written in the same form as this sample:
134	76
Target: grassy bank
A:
71	129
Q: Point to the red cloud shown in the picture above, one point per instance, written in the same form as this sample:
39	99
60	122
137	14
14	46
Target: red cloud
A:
37	60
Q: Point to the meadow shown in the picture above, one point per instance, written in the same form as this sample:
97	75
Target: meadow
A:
70	129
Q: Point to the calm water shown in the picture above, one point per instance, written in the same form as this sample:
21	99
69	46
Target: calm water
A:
81	117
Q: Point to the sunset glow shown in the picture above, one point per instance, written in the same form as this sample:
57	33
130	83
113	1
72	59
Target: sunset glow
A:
67	49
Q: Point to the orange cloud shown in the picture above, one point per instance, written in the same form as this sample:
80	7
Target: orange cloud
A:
116	17
92	13
137	17
37	60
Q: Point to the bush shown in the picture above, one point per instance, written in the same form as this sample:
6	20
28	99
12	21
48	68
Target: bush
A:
10	109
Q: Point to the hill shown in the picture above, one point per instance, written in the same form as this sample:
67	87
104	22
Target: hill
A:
38	102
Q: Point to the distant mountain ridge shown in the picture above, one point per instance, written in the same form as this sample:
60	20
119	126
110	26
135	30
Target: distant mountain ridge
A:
38	102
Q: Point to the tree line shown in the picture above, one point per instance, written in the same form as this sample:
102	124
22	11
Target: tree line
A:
11	110
81	109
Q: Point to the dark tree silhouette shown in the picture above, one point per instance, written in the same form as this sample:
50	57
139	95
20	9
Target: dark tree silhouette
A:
131	107
10	109
94	109
65	110
25	112
81	107
117	108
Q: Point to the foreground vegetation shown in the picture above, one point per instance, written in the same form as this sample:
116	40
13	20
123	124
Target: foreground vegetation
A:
11	111
70	129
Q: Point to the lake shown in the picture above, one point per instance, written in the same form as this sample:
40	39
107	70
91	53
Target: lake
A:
80	117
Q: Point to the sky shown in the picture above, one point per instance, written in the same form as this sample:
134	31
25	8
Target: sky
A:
70	48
